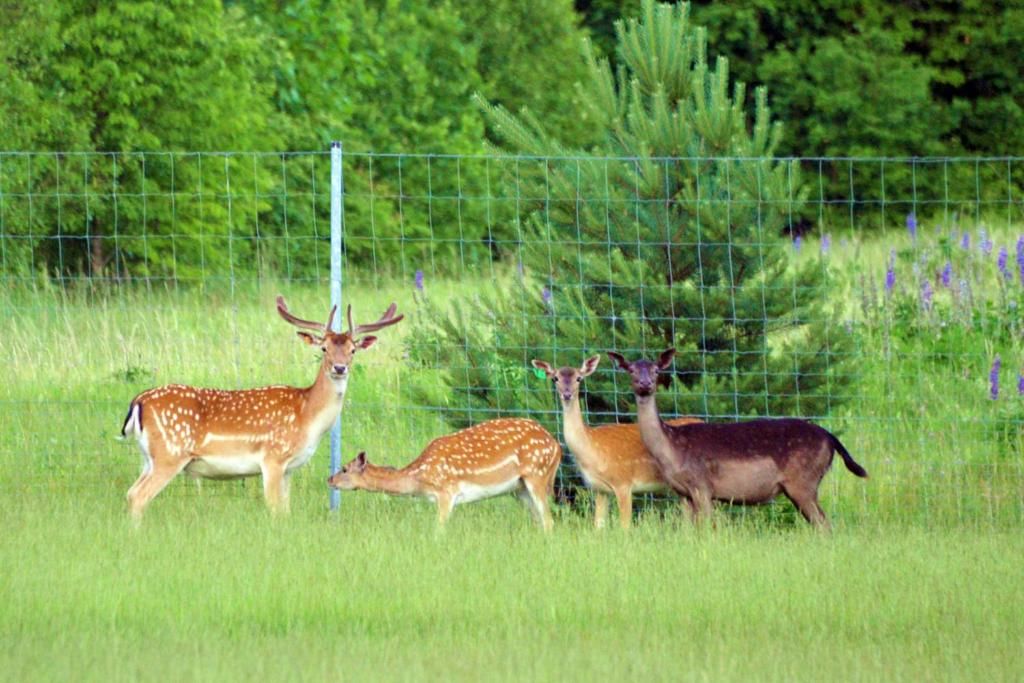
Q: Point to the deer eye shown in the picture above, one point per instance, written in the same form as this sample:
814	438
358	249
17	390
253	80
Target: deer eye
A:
578	380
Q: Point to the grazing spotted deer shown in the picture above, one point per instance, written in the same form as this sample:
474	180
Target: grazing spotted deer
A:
741	462
482	461
612	458
269	431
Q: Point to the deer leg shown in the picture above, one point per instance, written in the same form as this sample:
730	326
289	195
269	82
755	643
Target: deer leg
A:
273	485
147	468
524	496
624	496
445	505
153	483
538	490
286	491
806	501
705	508
697	495
600	509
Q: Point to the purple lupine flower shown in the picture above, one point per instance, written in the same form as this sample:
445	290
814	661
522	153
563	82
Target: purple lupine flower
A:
1020	384
947	274
826	243
1020	258
545	295
993	378
912	225
419	280
890	273
965	241
1001	262
798	242
984	243
926	295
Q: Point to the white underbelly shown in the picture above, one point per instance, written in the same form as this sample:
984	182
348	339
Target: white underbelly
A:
225	466
468	492
650	487
302	458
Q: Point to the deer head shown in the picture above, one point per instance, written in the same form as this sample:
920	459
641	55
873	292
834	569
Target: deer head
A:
643	372
567	380
350	476
338	348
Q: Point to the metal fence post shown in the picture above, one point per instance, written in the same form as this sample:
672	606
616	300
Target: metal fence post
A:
337	225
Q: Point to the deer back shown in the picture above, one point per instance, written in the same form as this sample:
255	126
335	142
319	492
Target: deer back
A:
489	451
778	439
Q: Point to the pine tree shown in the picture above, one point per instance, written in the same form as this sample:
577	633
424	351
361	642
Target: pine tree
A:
667	233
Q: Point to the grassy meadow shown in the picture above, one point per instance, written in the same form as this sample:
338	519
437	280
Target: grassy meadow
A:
920	580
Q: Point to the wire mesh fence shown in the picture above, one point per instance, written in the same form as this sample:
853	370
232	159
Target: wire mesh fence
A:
879	297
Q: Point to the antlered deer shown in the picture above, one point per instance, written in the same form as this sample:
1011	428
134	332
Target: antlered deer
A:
482	461
269	431
612	458
741	462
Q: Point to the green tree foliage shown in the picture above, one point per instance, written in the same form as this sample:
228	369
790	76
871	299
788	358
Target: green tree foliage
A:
381	76
599	17
515	73
394	76
132	76
125	78
884	79
645	250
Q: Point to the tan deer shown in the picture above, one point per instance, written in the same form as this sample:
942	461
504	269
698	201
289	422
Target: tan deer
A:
739	462
612	458
269	431
482	461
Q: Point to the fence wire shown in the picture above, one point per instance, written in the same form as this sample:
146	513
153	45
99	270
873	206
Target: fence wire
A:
880	297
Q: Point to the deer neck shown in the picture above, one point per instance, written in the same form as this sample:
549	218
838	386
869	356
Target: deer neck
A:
577	434
651	427
397	482
324	400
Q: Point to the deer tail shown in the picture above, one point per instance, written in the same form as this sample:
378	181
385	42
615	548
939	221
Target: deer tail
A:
133	420
848	460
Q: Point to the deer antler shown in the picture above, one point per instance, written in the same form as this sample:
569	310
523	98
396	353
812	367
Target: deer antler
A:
385	320
282	308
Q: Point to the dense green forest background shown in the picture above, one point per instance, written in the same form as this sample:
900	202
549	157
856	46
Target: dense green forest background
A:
127	77
849	77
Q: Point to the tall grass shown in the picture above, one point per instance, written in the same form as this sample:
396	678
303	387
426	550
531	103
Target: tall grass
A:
919	580
214	589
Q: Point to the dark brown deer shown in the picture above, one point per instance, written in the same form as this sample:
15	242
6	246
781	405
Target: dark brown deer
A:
742	462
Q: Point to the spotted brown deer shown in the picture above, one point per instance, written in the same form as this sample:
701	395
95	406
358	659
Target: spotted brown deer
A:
741	462
612	458
270	431
482	461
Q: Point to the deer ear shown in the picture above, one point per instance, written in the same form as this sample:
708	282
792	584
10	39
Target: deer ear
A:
308	338
360	462
366	342
619	360
541	365
665	359
590	365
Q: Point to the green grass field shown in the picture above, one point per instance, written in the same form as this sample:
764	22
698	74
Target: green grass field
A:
921	579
